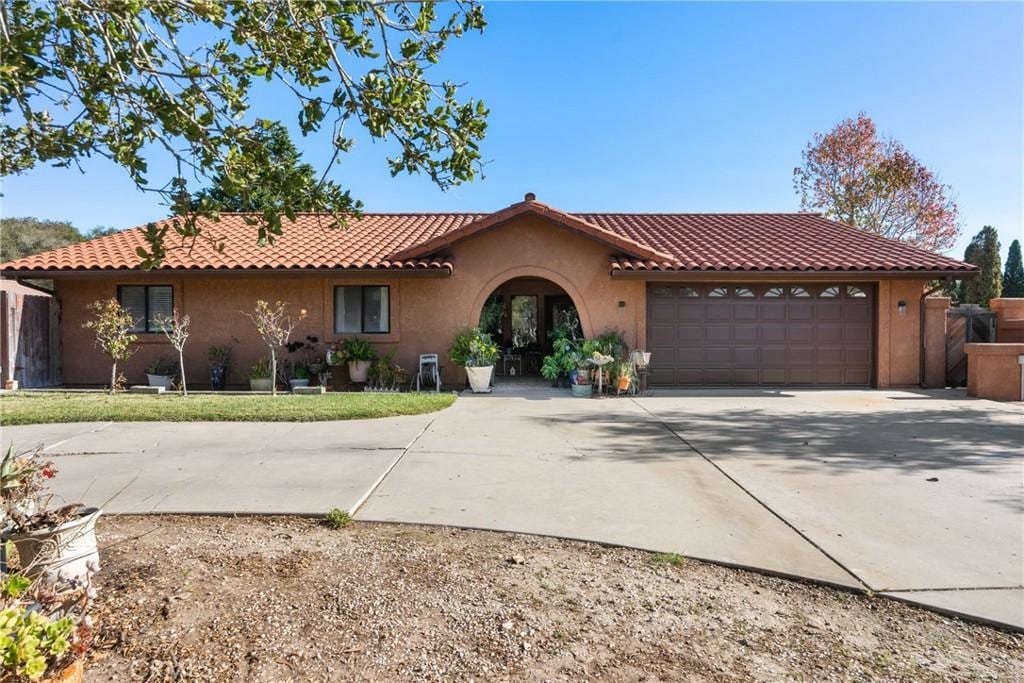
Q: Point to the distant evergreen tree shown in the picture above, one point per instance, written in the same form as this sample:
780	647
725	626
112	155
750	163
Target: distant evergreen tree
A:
983	251
1013	276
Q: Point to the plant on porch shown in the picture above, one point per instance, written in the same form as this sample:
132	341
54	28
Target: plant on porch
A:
473	350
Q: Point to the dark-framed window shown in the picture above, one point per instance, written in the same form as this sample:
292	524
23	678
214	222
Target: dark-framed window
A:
362	309
146	303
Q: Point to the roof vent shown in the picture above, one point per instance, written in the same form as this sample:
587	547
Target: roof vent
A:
530	197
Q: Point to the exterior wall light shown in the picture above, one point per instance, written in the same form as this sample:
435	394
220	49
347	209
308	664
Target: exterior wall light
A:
901	308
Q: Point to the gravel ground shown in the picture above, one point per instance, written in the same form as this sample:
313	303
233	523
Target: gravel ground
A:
287	599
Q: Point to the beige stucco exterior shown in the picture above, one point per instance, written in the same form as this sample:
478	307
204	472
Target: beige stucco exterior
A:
426	312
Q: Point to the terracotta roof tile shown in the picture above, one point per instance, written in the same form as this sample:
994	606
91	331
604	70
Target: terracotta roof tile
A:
644	242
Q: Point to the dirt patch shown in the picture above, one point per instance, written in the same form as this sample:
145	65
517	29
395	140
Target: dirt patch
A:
192	598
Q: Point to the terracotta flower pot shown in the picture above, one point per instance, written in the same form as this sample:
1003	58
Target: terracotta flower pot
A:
72	673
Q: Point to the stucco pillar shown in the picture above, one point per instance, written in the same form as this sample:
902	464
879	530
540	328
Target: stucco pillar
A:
1009	320
935	308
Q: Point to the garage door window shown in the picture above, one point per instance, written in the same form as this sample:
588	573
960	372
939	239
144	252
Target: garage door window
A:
855	292
829	293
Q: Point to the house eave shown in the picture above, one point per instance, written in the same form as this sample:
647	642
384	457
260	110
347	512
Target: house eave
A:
106	273
789	275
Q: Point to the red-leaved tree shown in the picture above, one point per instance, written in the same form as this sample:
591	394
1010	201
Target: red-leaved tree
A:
873	183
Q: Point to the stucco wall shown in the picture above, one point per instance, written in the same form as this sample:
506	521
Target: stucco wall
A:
899	335
935	341
1009	320
425	313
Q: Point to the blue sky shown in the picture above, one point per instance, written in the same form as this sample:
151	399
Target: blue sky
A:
679	107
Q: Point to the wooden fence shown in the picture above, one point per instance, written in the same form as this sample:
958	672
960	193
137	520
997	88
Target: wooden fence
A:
30	350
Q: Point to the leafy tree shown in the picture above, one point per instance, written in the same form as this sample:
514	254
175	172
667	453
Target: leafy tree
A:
983	251
873	183
112	325
175	328
1013	276
25	236
131	81
287	171
275	326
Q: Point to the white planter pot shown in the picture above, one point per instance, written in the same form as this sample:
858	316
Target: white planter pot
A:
480	379
260	383
68	549
358	370
165	381
293	383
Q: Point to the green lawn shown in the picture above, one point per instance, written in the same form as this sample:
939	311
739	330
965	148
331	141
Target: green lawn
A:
32	408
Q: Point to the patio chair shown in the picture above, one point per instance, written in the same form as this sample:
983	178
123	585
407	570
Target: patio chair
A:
429	372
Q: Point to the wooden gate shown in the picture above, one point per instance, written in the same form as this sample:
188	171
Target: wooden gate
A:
965	324
29	336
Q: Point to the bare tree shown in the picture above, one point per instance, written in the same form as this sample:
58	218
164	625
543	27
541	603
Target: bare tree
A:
275	326
113	328
175	328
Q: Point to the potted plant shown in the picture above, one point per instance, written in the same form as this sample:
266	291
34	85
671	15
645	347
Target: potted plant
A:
161	372
260	377
219	357
57	542
562	363
474	351
360	356
300	377
581	386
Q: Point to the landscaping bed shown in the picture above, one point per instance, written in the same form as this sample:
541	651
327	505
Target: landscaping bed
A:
45	407
186	598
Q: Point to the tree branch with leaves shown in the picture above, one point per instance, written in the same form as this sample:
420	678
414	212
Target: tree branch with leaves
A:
172	79
872	183
176	328
112	324
275	326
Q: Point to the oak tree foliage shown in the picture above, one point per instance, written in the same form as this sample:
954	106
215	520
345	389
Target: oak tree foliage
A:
135	80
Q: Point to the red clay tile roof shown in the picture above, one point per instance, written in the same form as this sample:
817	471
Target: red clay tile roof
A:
638	242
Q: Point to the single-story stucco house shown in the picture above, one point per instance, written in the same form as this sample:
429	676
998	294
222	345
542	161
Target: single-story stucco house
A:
719	299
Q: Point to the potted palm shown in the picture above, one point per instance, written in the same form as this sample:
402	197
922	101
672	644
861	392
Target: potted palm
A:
260	378
474	351
360	356
161	372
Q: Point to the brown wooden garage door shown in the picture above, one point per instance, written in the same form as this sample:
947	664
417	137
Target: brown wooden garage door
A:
759	334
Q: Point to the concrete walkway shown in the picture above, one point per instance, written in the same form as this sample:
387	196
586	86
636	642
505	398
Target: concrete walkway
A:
914	494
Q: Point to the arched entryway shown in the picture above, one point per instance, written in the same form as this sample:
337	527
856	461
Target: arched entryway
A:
521	314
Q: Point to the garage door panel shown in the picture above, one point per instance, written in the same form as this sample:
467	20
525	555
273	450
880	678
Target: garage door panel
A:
690	311
660	336
777	334
718	333
719	310
745	333
659	311
800	334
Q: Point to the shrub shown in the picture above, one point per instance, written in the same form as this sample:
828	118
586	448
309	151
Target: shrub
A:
338	518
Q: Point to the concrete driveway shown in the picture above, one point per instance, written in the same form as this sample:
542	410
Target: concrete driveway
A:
919	495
